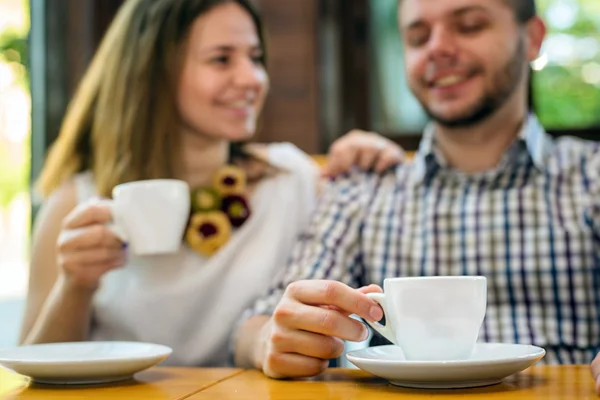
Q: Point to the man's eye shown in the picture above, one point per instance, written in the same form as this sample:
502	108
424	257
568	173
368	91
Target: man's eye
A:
472	27
417	40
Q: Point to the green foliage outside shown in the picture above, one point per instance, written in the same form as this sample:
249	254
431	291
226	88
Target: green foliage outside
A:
14	177
562	99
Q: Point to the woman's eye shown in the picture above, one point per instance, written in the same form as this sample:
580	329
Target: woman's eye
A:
258	59
220	60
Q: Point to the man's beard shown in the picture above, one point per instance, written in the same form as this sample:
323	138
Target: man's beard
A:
505	82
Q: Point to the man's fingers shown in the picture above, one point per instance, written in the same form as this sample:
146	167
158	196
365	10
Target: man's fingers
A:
364	289
321	321
289	365
306	343
370	289
332	293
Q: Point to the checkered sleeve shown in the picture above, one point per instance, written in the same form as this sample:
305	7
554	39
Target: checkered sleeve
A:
329	247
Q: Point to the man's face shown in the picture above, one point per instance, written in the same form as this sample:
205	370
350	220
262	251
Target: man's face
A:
464	58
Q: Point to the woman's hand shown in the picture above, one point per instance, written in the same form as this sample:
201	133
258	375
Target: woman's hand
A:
87	249
368	150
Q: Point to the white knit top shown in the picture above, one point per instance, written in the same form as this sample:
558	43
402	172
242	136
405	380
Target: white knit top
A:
192	303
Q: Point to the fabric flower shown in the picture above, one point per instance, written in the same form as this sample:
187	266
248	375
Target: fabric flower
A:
230	180
205	199
208	232
236	208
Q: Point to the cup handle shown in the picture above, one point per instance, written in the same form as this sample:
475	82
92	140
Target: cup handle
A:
385	330
113	226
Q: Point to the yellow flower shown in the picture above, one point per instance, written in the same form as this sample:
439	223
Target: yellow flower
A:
208	232
230	180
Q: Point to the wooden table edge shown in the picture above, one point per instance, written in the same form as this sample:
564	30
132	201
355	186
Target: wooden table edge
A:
203	388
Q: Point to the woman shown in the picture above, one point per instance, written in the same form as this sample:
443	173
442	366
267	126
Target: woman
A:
173	90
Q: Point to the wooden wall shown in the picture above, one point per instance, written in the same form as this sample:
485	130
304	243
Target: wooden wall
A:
291	113
63	38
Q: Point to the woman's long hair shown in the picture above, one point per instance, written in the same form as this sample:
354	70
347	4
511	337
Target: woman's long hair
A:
122	122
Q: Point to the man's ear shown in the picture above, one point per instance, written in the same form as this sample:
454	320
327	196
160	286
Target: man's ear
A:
536	33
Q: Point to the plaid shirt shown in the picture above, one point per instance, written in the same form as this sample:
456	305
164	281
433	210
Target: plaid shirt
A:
531	226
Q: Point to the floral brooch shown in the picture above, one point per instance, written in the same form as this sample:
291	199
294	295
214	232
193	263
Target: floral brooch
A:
217	211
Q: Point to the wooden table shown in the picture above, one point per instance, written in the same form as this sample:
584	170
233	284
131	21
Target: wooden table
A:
543	382
161	383
548	383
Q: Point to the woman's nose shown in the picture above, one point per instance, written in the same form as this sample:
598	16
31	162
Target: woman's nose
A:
249	73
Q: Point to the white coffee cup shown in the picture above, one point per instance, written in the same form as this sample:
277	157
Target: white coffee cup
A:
433	318
151	215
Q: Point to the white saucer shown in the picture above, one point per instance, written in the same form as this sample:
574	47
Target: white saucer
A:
490	363
82	362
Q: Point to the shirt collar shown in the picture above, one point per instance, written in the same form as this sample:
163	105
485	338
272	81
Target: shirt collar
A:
537	143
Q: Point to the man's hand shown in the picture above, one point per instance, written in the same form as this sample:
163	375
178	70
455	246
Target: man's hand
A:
309	325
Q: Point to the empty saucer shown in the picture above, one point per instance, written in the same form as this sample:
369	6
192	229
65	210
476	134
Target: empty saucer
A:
82	362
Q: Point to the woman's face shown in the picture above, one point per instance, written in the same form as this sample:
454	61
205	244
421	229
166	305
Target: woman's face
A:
223	81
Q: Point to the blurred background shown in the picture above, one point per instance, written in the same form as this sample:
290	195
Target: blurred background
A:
334	65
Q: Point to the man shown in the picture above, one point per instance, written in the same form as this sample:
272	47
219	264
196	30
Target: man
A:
489	193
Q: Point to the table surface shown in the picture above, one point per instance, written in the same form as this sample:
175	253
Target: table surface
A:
159	383
543	382
538	382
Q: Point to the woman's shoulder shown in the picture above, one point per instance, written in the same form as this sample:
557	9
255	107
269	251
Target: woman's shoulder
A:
284	155
54	209
294	167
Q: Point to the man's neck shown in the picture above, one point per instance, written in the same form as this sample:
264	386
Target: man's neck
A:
480	148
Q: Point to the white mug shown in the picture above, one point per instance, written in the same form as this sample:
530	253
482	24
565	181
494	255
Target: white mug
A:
433	318
151	215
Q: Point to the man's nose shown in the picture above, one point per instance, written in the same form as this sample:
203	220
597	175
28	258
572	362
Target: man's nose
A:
442	44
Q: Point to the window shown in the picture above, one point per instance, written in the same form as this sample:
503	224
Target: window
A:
394	110
567	80
15	112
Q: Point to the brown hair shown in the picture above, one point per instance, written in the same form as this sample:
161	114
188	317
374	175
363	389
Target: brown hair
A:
524	9
120	121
